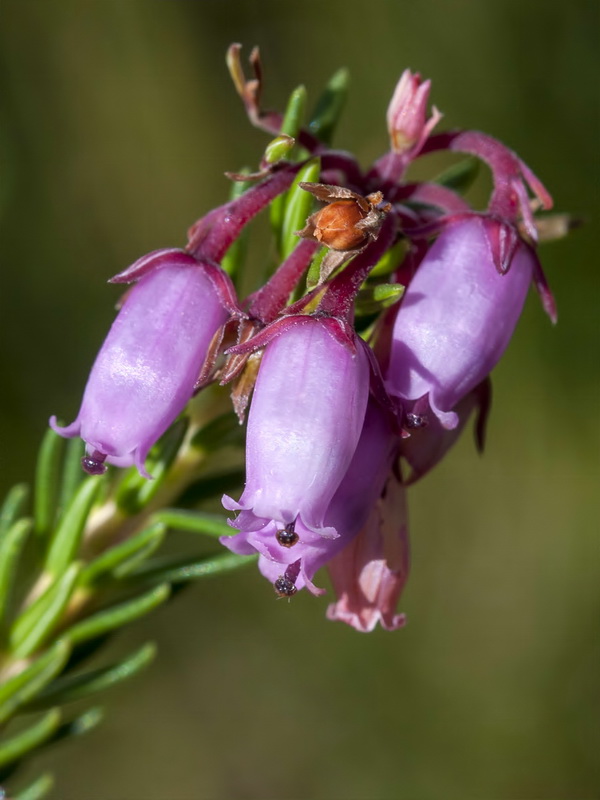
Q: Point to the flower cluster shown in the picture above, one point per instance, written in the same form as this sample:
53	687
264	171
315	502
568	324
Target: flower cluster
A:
366	351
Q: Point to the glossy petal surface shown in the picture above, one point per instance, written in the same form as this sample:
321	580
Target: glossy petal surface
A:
303	427
145	371
456	319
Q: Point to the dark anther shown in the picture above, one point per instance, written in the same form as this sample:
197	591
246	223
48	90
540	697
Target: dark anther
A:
288	536
284	587
94	464
416	421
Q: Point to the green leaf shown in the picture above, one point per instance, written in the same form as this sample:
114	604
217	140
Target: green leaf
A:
72	474
219	432
153	543
177	571
13	506
75	687
21	688
195	521
390	261
135	491
387	291
77	727
11	546
235	256
329	106
290	126
36	790
66	540
279	148
373	299
126	553
116	616
459	177
294	113
18	746
47	475
37	621
314	271
298	205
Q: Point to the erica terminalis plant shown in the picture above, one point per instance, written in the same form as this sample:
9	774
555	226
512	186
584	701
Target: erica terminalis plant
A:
335	385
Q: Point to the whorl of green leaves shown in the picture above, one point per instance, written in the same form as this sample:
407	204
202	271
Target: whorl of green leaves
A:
77	564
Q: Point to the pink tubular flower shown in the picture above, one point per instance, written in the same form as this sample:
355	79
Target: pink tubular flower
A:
304	424
146	369
369	575
407	114
456	319
348	511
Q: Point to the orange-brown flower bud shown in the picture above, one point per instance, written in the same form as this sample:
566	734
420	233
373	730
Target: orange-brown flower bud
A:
345	225
335	225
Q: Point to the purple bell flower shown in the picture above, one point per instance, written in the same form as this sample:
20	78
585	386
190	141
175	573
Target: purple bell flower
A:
293	566
304	424
456	319
150	361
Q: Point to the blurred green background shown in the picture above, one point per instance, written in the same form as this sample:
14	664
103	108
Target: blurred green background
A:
118	121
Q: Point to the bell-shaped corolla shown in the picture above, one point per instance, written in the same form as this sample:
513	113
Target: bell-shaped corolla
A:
304	425
456	318
147	368
289	558
369	574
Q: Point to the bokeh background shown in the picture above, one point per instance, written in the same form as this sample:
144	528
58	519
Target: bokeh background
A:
118	121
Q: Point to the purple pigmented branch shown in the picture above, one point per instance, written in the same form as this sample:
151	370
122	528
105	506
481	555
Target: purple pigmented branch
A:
250	92
211	236
334	161
433	194
267	302
271	122
509	173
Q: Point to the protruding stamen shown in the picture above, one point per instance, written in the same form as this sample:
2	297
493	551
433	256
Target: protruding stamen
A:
94	464
416	421
288	536
284	587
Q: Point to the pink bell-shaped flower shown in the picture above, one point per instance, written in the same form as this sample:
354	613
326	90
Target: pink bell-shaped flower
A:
290	558
150	361
456	319
304	424
369	574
